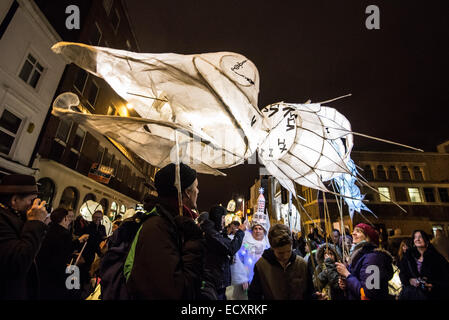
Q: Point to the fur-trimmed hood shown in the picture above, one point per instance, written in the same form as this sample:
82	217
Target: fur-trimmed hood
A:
365	248
322	249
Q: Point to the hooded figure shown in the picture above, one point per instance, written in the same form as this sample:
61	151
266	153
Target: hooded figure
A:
326	275
219	252
254	244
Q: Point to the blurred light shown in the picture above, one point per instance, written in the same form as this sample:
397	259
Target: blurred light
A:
123	111
129	106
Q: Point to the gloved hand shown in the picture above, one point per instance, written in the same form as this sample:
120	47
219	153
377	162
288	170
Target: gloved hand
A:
188	228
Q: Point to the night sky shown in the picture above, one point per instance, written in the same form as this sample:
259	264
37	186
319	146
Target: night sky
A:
320	50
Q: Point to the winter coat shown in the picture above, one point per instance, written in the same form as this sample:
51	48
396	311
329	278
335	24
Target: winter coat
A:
326	272
219	251
364	256
434	267
20	241
242	270
52	260
166	263
441	244
272	282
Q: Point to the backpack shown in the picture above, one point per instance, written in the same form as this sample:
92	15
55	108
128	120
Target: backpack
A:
112	266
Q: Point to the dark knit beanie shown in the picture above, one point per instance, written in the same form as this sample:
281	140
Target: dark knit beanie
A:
165	179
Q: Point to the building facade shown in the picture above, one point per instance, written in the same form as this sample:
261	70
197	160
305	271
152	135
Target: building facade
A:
76	165
29	76
418	182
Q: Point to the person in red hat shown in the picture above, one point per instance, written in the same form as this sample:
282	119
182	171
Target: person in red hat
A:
370	268
22	230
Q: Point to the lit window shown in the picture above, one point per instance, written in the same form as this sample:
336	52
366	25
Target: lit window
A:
384	193
9	126
31	71
414	195
111	111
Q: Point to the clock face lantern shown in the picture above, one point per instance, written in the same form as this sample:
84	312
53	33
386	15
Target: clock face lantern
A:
306	144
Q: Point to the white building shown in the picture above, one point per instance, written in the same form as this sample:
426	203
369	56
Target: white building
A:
29	76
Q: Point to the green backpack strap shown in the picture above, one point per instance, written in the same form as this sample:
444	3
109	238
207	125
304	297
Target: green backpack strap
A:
129	262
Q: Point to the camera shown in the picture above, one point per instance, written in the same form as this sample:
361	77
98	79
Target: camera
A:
422	284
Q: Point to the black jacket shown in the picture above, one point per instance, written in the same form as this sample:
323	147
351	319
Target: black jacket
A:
434	267
96	235
168	258
20	241
219	252
52	260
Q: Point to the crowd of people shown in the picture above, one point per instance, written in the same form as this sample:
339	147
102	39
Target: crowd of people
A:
169	251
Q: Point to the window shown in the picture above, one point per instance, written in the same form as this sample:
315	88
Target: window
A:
80	81
414	194
381	175
112	111
89	196
115	20
95	36
107	159
393	173
63	130
69	198
405	173
114	165
79	138
444	196
46	188
384	194
113	212
400	194
369	175
92	94
107	4
119	172
31	71
99	155
122	209
418	174
9	126
429	195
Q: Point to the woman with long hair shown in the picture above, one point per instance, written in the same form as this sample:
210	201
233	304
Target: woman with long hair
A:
424	271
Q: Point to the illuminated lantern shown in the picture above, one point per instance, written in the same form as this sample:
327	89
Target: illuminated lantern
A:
205	106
